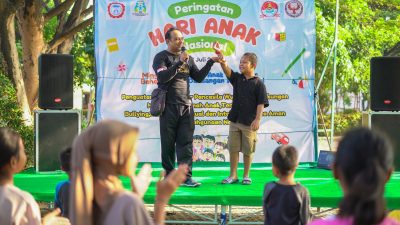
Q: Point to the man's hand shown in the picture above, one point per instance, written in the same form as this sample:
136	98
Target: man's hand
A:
255	124
184	57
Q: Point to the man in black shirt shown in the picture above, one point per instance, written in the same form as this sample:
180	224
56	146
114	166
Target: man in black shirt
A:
173	67
249	100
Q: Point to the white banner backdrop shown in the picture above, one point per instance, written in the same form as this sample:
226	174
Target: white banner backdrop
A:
129	33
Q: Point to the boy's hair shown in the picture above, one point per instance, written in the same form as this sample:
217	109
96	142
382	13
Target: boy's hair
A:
220	143
285	159
363	159
65	159
221	156
208	151
210	137
168	33
9	145
197	137
252	57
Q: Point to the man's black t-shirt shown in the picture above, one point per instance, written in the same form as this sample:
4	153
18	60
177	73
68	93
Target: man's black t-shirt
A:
171	71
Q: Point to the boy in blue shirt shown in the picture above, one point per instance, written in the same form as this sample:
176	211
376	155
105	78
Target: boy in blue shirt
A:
62	188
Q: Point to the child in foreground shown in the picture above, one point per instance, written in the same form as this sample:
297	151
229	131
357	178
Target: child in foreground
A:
285	201
363	164
18	207
61	199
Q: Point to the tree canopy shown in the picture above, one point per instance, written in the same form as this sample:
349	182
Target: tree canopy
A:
367	28
43	26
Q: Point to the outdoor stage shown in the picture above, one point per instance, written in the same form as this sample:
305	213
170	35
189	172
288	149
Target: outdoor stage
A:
324	190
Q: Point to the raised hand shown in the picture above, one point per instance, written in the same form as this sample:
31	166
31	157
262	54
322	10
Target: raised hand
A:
217	48
141	182
220	57
53	218
167	186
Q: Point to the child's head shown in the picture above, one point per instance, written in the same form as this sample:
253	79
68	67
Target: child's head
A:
197	141
219	147
284	160
209	141
65	159
99	155
12	151
363	164
220	157
248	63
208	155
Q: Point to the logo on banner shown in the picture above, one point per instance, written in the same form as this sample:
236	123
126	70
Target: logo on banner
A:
269	9
294	8
116	10
112	45
281	36
140	8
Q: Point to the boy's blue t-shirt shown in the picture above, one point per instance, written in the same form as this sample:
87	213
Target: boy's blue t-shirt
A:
62	197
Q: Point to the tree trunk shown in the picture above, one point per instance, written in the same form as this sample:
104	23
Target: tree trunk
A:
30	22
10	54
74	19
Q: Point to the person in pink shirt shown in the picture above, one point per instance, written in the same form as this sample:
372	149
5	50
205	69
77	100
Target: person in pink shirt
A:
363	164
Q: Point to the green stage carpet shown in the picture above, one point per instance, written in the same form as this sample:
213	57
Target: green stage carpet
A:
324	190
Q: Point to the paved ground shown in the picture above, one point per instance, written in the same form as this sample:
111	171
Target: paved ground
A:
197	214
254	214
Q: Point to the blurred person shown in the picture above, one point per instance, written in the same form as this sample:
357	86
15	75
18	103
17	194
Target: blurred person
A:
18	207
61	199
363	164
100	155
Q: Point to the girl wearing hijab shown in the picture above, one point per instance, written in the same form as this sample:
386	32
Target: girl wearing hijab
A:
99	155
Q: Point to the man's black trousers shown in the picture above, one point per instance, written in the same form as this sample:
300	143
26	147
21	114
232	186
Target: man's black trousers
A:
176	130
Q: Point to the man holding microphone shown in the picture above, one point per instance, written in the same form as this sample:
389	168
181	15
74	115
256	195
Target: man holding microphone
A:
173	67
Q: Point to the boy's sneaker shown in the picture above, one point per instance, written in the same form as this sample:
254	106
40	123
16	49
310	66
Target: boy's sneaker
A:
191	183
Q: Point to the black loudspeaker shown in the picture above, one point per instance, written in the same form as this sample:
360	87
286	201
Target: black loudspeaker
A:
389	124
55	81
54	131
385	84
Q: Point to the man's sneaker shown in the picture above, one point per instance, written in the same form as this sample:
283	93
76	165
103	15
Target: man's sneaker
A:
191	183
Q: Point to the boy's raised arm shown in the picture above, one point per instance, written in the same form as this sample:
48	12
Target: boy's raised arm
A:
225	67
222	60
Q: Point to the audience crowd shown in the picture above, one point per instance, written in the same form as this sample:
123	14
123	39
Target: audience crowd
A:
94	194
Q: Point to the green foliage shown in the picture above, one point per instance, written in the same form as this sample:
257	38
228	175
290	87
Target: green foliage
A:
344	121
11	116
367	28
83	52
